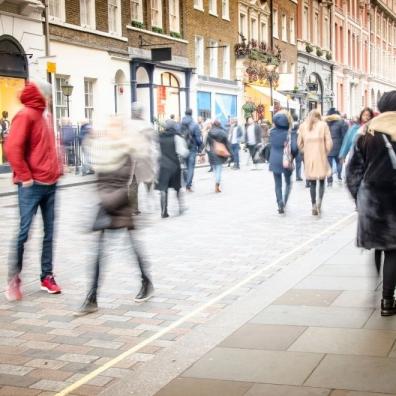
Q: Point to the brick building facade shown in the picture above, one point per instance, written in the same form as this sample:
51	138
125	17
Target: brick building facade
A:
212	31
315	55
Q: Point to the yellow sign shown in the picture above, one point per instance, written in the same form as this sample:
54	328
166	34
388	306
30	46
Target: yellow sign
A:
51	67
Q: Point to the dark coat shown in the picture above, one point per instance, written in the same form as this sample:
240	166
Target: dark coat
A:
278	138
114	200
217	134
195	130
372	183
338	129
169	163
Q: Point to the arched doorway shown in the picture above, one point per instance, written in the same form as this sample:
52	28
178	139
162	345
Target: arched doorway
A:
315	92
120	94
13	73
168	96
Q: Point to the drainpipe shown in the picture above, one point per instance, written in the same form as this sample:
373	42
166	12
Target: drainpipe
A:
272	24
333	53
47	37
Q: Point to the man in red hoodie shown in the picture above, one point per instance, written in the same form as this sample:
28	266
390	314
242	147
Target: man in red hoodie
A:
32	154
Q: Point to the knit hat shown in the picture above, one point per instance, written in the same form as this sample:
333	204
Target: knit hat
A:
387	102
333	111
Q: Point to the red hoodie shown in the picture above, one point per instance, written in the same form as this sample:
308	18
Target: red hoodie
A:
30	146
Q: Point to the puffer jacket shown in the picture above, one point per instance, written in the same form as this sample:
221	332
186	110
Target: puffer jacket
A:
338	129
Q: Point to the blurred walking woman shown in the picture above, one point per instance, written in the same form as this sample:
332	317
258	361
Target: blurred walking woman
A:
314	141
172	149
371	179
279	136
219	150
112	158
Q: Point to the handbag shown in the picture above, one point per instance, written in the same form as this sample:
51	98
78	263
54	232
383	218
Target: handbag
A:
287	159
220	149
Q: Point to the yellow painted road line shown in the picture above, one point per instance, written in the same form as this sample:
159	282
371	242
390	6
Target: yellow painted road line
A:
93	374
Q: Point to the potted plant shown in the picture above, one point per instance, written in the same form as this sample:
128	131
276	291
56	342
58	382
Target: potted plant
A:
137	24
248	109
157	29
176	35
329	56
309	48
319	52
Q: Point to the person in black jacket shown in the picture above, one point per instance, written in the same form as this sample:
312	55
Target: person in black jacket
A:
218	145
338	129
371	179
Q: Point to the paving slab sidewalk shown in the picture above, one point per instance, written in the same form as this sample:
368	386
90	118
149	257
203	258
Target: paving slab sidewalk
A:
314	329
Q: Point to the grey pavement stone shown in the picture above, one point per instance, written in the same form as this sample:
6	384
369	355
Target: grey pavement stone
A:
358	373
289	368
314	316
14	370
49	385
284	390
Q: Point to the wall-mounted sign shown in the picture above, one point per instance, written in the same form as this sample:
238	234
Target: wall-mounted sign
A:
312	86
161	54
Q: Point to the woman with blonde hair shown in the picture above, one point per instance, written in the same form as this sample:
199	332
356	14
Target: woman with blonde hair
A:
314	141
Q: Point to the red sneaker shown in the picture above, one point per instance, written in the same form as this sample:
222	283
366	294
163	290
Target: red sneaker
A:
48	284
13	292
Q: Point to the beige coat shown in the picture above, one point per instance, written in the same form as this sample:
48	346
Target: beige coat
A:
315	145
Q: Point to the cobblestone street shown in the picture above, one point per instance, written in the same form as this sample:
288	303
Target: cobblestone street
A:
221	240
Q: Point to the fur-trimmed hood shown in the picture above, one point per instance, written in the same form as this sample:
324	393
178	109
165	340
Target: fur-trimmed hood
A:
332	118
384	123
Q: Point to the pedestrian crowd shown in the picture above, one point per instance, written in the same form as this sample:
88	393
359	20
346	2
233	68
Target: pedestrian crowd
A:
129	153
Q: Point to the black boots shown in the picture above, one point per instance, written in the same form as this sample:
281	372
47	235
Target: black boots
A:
90	305
145	292
164	204
388	307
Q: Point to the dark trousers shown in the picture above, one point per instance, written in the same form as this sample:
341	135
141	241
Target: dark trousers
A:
133	194
389	281
97	269
29	200
312	186
235	154
298	166
282	198
336	160
252	151
190	163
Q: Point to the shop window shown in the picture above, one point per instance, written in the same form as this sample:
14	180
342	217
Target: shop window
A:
174	17
137	10
204	100
56	9
114	13
87	13
169	80
88	98
226	108
60	99
156	13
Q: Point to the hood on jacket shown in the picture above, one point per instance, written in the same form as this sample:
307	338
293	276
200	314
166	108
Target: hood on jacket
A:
384	123
333	111
187	120
281	121
333	118
32	97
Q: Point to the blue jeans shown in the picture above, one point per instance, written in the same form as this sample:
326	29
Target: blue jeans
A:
217	172
335	159
282	198
29	200
298	166
190	160
235	154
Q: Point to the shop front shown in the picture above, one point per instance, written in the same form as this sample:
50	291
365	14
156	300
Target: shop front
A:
13	74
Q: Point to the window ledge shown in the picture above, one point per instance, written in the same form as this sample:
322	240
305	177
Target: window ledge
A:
89	30
129	27
226	18
213	14
199	9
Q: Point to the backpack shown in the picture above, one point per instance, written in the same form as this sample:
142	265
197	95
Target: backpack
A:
188	135
287	154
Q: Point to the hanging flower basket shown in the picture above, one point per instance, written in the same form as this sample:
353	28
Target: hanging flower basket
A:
309	48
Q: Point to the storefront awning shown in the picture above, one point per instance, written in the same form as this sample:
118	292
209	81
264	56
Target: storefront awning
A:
282	99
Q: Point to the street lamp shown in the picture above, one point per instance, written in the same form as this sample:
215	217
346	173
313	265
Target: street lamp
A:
67	90
270	68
